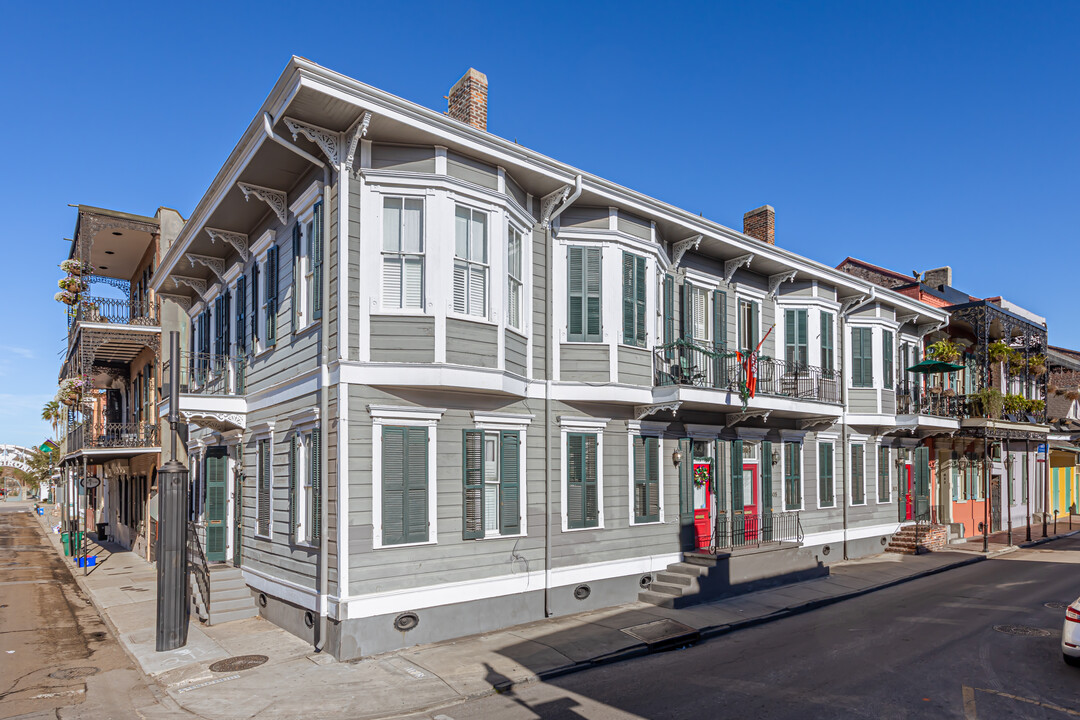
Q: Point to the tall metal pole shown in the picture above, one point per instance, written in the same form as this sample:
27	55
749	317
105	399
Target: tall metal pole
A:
1027	486
173	608
1009	479
1046	480
986	495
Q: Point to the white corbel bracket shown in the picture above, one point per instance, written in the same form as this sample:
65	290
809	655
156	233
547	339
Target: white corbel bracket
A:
905	319
681	247
730	266
779	278
643	411
926	329
216	265
849	302
196	284
813	422
182	300
277	200
358	131
550	202
734	418
327	140
239	241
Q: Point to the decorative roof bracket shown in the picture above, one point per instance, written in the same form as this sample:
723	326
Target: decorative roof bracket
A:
905	319
849	302
642	411
358	131
239	241
550	202
779	278
679	249
196	284
927	328
813	422
216	265
730	266
277	200
327	140
733	418
182	300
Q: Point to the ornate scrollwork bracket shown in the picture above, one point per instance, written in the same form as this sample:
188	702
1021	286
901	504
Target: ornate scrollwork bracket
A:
776	280
734	418
643	411
359	131
550	202
730	266
905	319
196	284
681	247
182	300
849	302
239	241
815	422
216	265
327	140
277	200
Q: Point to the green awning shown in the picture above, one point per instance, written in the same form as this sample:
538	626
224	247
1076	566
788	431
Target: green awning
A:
930	367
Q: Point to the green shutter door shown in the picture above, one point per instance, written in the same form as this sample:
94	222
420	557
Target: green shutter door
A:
416	497
510	482
669	313
575	491
264	488
575	288
292	489
628	295
472	474
719	330
766	477
216	505
593	329
393	485
737	503
316	484
317	261
686	483
294	303
922	482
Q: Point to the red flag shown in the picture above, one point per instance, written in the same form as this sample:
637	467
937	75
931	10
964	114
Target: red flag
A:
749	364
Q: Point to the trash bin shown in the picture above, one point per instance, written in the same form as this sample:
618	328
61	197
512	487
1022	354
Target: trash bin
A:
89	561
101	531
40	511
65	538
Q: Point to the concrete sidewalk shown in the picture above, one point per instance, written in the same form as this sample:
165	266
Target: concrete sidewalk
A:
297	682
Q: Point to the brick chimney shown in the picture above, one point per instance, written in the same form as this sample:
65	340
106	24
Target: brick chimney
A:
467	101
761	224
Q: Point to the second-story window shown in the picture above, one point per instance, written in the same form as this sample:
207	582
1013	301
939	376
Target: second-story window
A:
862	357
470	262
828	362
796	353
697	308
633	272
887	358
583	323
748	325
515	286
271	304
241	324
403	253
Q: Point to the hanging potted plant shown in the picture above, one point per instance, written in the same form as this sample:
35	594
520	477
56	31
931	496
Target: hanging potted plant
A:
1073	395
72	283
1016	363
67	297
76	267
1015	403
998	351
988	403
1037	365
944	350
1036	405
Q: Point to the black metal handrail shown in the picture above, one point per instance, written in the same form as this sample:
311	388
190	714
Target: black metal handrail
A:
685	362
209	374
740	530
112	435
198	566
139	311
914	399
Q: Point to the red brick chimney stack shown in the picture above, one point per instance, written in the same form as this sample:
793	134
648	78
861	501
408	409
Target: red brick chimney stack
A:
761	224
468	99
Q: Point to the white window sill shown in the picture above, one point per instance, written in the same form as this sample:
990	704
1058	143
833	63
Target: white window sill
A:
307	329
827	507
478	319
886	501
401	312
263	537
793	509
634	523
859	504
574	530
500	537
380	546
644	348
517	331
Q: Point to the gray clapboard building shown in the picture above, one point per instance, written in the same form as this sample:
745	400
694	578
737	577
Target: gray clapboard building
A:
437	383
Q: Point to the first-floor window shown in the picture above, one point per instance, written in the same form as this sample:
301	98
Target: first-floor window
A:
792	476
304	473
825	475
582	492
884	484
404	485
858	474
264	479
491	479
646	479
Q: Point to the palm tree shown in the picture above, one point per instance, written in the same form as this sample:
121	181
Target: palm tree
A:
52	414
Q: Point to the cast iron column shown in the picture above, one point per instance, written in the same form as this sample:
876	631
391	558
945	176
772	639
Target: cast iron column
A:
173	608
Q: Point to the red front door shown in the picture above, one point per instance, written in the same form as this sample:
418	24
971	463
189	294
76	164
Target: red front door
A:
750	506
907	496
703	503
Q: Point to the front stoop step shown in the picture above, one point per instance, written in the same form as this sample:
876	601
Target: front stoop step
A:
930	538
230	597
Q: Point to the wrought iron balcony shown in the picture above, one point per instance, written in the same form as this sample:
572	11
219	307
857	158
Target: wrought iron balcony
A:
113	310
686	362
91	435
740	530
208	374
914	399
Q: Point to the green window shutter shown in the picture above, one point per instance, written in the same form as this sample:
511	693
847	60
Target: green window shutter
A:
825	474
755	310
316	485
216	504
684	311
271	294
827	358
241	323
641	484
575	476
593	325
393	485
789	337
766	477
472	473
295	302
719	330
954	479
293	517
868	357
887	358
737	501
639	299
795	339
592	508
862	358
583	291
669	312
858	480
629	305
254	306
264	487
416	499
884	487
510	482
317	262
792	476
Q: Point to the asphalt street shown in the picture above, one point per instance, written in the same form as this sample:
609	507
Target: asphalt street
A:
57	658
931	648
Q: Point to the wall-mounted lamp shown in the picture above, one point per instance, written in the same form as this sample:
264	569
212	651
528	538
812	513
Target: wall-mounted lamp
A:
676	457
775	457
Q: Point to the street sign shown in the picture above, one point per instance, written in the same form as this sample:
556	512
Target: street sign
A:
1041	449
90	482
48	446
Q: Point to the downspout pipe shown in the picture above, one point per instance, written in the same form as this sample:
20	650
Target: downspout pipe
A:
324	397
548	356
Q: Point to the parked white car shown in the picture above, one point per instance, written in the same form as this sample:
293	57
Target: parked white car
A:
1070	634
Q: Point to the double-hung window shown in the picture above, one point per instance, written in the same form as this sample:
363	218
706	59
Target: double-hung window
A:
792	476
470	261
583	323
304	486
796	353
828	363
646	479
884	484
263	483
514	273
698	301
491	476
582	491
748	326
887	358
858	474
633	299
403	253
404	485
862	357
826	496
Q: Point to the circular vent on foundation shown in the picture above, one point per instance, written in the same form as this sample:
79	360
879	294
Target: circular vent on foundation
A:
884	542
826	550
406	621
309	619
645	582
582	591
262	600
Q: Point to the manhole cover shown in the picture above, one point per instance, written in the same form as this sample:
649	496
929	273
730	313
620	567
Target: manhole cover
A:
240	662
661	631
74	673
1022	630
1056	605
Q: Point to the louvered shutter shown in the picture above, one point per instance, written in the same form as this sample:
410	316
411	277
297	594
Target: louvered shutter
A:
766	477
293	516
825	474
593	325
510	482
316	485
271	294
641	484
317	262
472	474
858	475
226	317
264	487
737	501
575	284
884	487
393	485
241	321
792	481
592	516
639	300
669	314
887	359
684	311
416	477
461	282
255	307
575	485
827	362
215	507
720	374
628	304
295	302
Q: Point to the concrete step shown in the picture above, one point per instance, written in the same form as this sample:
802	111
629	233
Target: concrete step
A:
218	595
218	618
700	559
675	578
667	589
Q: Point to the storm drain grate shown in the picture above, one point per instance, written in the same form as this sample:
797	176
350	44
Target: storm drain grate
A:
74	673
661	632
240	662
1022	630
1056	605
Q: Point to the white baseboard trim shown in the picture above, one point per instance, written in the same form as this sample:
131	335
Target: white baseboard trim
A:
856	533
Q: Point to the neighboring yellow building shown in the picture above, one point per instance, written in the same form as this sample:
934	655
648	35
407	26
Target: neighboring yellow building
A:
1064	481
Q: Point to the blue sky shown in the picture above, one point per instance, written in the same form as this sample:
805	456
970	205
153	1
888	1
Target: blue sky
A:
911	134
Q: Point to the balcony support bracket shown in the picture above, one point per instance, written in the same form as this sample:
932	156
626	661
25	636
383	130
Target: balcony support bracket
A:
926	329
682	247
849	302
730	266
643	411
221	422
327	140
182	300
277	200
775	281
239	241
196	284
358	131
815	422
733	418
905	319
216	265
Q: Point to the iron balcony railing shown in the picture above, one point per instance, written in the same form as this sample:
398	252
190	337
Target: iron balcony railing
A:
90	435
913	398
685	362
208	374
139	311
740	530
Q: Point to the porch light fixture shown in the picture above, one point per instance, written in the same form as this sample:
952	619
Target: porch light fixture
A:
676	457
775	457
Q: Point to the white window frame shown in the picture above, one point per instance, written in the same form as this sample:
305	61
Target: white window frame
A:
511	228
707	311
422	254
382	415
304	424
743	296
469	263
260	432
568	425
496	422
831	439
636	429
259	251
849	468
303	209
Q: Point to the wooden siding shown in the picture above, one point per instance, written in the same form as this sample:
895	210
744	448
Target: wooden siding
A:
585	217
862	400
401	338
474	171
472	343
403	158
539	303
516	353
633	225
635	366
584	362
515	191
